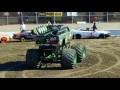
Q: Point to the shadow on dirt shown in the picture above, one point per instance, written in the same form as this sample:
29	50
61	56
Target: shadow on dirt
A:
20	66
13	66
15	41
52	68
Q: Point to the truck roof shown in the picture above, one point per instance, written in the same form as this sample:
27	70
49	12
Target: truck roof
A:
56	27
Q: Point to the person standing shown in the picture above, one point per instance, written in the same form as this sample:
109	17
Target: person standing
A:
94	26
23	28
49	23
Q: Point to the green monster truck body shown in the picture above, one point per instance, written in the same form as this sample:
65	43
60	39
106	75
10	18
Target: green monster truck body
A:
55	47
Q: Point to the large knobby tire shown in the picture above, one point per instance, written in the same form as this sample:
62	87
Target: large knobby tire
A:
32	58
81	52
68	59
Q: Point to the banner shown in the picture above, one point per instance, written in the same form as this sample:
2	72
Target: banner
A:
41	13
54	13
72	13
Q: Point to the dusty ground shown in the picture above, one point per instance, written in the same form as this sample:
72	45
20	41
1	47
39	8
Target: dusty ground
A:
100	26
103	58
103	61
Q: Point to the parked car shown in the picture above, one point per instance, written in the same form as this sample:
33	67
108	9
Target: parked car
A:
24	36
87	32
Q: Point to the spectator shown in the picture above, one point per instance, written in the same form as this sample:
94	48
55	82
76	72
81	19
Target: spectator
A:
94	26
23	28
87	29
49	23
54	23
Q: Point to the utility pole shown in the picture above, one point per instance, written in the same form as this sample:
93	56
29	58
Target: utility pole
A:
36	18
107	17
6	14
89	17
21	17
54	17
72	17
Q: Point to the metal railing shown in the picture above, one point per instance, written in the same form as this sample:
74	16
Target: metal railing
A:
89	18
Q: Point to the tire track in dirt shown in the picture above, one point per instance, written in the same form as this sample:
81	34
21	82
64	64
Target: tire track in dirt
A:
105	74
94	45
24	73
12	69
117	58
117	63
7	55
113	73
114	43
94	50
3	74
88	71
115	70
63	72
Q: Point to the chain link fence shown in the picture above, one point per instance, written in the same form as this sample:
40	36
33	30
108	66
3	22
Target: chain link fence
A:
7	18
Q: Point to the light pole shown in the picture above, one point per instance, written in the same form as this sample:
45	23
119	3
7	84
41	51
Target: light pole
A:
107	17
36	18
22	17
54	17
89	17
72	16
6	14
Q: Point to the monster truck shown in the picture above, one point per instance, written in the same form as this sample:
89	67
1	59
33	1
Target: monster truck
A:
55	47
87	32
4	38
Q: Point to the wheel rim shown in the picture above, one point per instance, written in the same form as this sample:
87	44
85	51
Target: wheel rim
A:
84	54
23	39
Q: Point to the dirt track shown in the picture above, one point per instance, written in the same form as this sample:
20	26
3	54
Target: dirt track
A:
103	61
100	26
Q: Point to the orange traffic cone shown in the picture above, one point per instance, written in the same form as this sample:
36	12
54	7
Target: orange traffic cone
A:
3	40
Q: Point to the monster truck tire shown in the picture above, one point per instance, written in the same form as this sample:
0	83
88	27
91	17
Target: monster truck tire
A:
81	52
23	39
78	36
101	36
32	58
68	59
